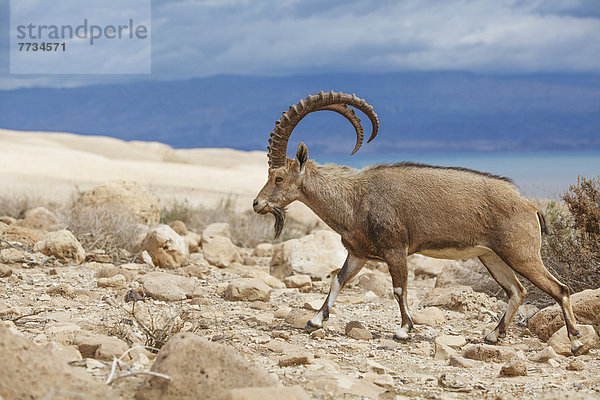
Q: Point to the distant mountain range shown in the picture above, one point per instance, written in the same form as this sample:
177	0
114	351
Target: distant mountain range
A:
418	111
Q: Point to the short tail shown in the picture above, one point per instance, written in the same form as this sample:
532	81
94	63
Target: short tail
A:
542	220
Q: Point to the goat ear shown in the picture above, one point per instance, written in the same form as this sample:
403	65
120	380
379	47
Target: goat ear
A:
301	156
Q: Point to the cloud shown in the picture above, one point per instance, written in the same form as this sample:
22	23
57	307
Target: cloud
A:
195	38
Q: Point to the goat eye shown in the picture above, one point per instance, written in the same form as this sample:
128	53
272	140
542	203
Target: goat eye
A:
279	179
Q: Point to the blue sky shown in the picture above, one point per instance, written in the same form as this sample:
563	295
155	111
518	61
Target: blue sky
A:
199	38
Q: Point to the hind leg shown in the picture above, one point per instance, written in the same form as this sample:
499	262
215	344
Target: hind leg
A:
396	261
534	270
508	281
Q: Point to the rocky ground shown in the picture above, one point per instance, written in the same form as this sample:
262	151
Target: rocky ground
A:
232	322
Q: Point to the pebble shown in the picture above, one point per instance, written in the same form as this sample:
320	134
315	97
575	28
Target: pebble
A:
515	367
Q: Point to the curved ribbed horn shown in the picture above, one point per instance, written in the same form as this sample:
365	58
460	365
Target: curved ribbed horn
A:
332	101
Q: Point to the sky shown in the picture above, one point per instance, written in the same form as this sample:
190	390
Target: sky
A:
200	38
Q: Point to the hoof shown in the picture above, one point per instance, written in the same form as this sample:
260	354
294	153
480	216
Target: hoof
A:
401	335
577	347
310	326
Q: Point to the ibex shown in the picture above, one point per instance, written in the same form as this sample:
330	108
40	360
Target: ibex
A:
388	212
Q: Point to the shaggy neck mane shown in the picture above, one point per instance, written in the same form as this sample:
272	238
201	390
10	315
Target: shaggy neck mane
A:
329	191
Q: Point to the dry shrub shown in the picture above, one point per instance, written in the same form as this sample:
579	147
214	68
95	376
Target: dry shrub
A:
571	248
103	228
247	229
15	206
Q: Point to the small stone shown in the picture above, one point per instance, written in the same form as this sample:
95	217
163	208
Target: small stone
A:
461	362
259	305
454	341
293	359
443	352
353	324
298	318
261	319
360	334
249	261
544	355
431	316
455	382
318	334
53	272
263	250
179	227
378	368
575	365
5	271
486	352
282	311
251	289
115	282
302	282
313	305
281	335
515	367
386	381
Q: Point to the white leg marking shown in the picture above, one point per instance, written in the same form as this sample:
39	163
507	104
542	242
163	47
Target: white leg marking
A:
402	333
333	293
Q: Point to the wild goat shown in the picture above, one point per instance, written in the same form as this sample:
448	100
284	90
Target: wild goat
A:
387	212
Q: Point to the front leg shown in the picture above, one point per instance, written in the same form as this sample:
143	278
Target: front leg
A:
396	261
351	267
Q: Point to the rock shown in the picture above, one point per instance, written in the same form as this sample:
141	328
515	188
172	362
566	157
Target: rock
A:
339	384
486	352
283	311
62	245
179	227
165	247
167	287
378	368
461	298
247	289
270	280
101	347
318	334
106	271
562	345
316	255
472	274
265	393
219	229
301	282
128	198
313	305
298	318
455	382
544	355
191	241
22	235
586	307
291	360
214	370
443	352
360	334
5	219
263	250
261	319
31	372
575	365
249	261
515	367
431	316
426	267
376	283
61	289
454	341
353	324
462	362
5	271
115	282
38	218
221	252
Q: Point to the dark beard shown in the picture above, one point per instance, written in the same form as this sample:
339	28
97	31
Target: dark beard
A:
279	214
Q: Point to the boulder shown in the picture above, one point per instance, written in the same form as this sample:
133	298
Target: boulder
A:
214	369
377	283
62	245
221	252
316	255
127	197
31	372
101	347
561	343
218	229
247	289
263	250
165	247
461	298
38	218
167	287
586	307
